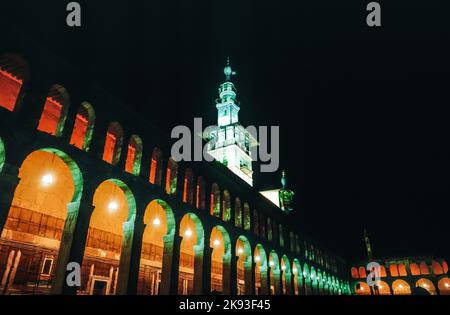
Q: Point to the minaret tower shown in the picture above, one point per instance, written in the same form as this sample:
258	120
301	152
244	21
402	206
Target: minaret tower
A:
231	143
368	247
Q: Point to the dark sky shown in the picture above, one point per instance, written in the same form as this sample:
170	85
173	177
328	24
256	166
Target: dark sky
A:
362	112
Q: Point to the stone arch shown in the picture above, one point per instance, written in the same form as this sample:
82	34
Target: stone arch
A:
437	268
383	288
286	275
260	276
226	206
156	249
134	155
444	286
191	255
83	127
220	242
246	217
45	207
427	285
275	273
171	176
401	287
113	143
55	110
354	272
156	167
107	254
414	268
237	213
14	74
244	265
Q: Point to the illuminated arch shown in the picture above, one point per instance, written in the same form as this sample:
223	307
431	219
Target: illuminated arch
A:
437	268
226	207
188	186
171	176
362	272
402	270
285	275
275	273
113	143
362	288
246	217
55	111
414	268
424	270
354	272
13	75
260	275
134	155
401	287
297	274
214	208
244	264
383	288
393	270
157	245
2	154
191	255
45	205
444	286
237	212
156	167
427	285
200	193
220	259
83	127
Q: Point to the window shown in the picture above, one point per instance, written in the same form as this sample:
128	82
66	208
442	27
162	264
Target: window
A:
47	266
55	111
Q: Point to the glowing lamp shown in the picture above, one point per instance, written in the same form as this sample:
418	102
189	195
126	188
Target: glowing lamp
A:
113	206
216	243
271	263
283	267
47	179
188	233
401	286
240	251
294	270
257	258
156	221
447	285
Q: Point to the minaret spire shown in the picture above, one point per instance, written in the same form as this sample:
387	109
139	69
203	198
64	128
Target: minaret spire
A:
228	71
368	247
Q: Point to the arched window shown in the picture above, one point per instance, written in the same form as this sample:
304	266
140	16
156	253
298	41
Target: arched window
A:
83	128
200	193
362	272
156	167
237	213
255	222
281	231
275	233
247	217
355	274
226	206
55	111
113	143
171	177
393	270
382	271
402	270
437	268
269	229
134	155
188	187
215	200
13	74
424	268
415	271
262	226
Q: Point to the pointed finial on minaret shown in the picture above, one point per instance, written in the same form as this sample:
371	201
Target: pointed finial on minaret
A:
228	71
283	179
368	247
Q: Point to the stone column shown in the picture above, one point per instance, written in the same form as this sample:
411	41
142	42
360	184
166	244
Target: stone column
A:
277	281
233	272
253	284
198	269
8	182
269	270
125	257
207	270
170	264
288	279
263	279
226	274
135	262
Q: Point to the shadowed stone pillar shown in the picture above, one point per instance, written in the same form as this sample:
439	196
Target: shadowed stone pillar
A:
226	274
248	278
125	257
288	279
8	182
198	269
277	281
269	270
207	270
170	264
263	280
233	272
252	274
135	257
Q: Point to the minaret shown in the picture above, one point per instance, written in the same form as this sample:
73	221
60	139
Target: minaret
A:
286	196
231	143
368	247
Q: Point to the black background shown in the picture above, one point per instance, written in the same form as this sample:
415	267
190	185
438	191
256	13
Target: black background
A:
362	111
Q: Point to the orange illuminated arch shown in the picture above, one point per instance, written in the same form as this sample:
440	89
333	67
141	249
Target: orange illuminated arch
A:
383	288
362	272
362	288
113	143
415	270
214	207
134	155
244	270
424	268
220	260
13	75
444	286
200	193
156	167
55	111
437	268
401	287
84	127
427	285
171	177
354	272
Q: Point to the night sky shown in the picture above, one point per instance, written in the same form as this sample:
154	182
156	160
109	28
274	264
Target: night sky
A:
362	112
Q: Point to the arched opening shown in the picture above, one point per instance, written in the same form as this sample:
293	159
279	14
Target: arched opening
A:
424	268
415	271
13	74
48	193
191	255
427	285
401	287
362	272
355	274
109	237
171	177
402	270
113	143
220	260
362	288
159	229
2	154
274	264
297	274
262	225
444	286
260	270
393	270
226	206
247	219
382	271
156	167
55	111
200	193
188	187
134	155
444	266
237	213
285	275
382	288
437	268
244	266
306	280
214	207
313	276
83	127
